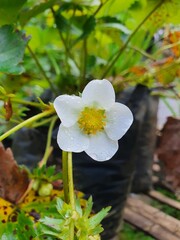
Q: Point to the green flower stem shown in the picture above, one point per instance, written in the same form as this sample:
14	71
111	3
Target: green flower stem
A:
70	180
42	123
27	122
71	192
48	144
124	46
33	104
16	100
68	185
65	176
143	53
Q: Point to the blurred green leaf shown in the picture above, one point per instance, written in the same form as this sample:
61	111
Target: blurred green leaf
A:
87	28
46	173
27	14
88	208
167	12
2	90
9	10
96	219
53	223
25	227
12	47
114	7
62	23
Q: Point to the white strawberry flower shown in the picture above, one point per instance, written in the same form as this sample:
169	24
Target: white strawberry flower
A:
93	122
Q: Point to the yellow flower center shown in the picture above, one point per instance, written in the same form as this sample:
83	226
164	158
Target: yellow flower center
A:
92	120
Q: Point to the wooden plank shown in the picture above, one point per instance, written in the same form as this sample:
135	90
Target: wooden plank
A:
148	226
154	216
160	197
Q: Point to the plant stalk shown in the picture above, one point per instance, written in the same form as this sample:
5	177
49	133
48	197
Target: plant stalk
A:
68	186
48	143
65	176
27	122
71	192
70	180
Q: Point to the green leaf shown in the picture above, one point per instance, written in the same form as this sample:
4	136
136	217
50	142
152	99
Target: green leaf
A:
96	219
27	14
50	171
78	207
56	224
167	12
12	47
21	229
59	204
87	28
25	227
2	90
37	206
46	230
46	173
6	232
8	236
118	26
88	208
114	7
9	10
64	209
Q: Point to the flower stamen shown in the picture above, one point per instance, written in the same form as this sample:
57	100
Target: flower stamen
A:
92	120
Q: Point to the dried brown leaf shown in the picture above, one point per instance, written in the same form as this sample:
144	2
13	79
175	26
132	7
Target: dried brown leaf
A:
13	179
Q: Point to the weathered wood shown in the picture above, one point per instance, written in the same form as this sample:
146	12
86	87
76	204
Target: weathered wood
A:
148	226
151	219
160	197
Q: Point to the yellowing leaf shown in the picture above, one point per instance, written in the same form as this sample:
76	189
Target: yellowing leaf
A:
6	208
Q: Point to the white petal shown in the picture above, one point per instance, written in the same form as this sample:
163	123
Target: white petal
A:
100	93
71	139
119	119
101	148
68	108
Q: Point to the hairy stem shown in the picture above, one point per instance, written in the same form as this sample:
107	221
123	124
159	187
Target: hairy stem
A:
70	180
65	176
68	186
71	191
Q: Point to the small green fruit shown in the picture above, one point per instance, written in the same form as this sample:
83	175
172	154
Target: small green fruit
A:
45	189
36	184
